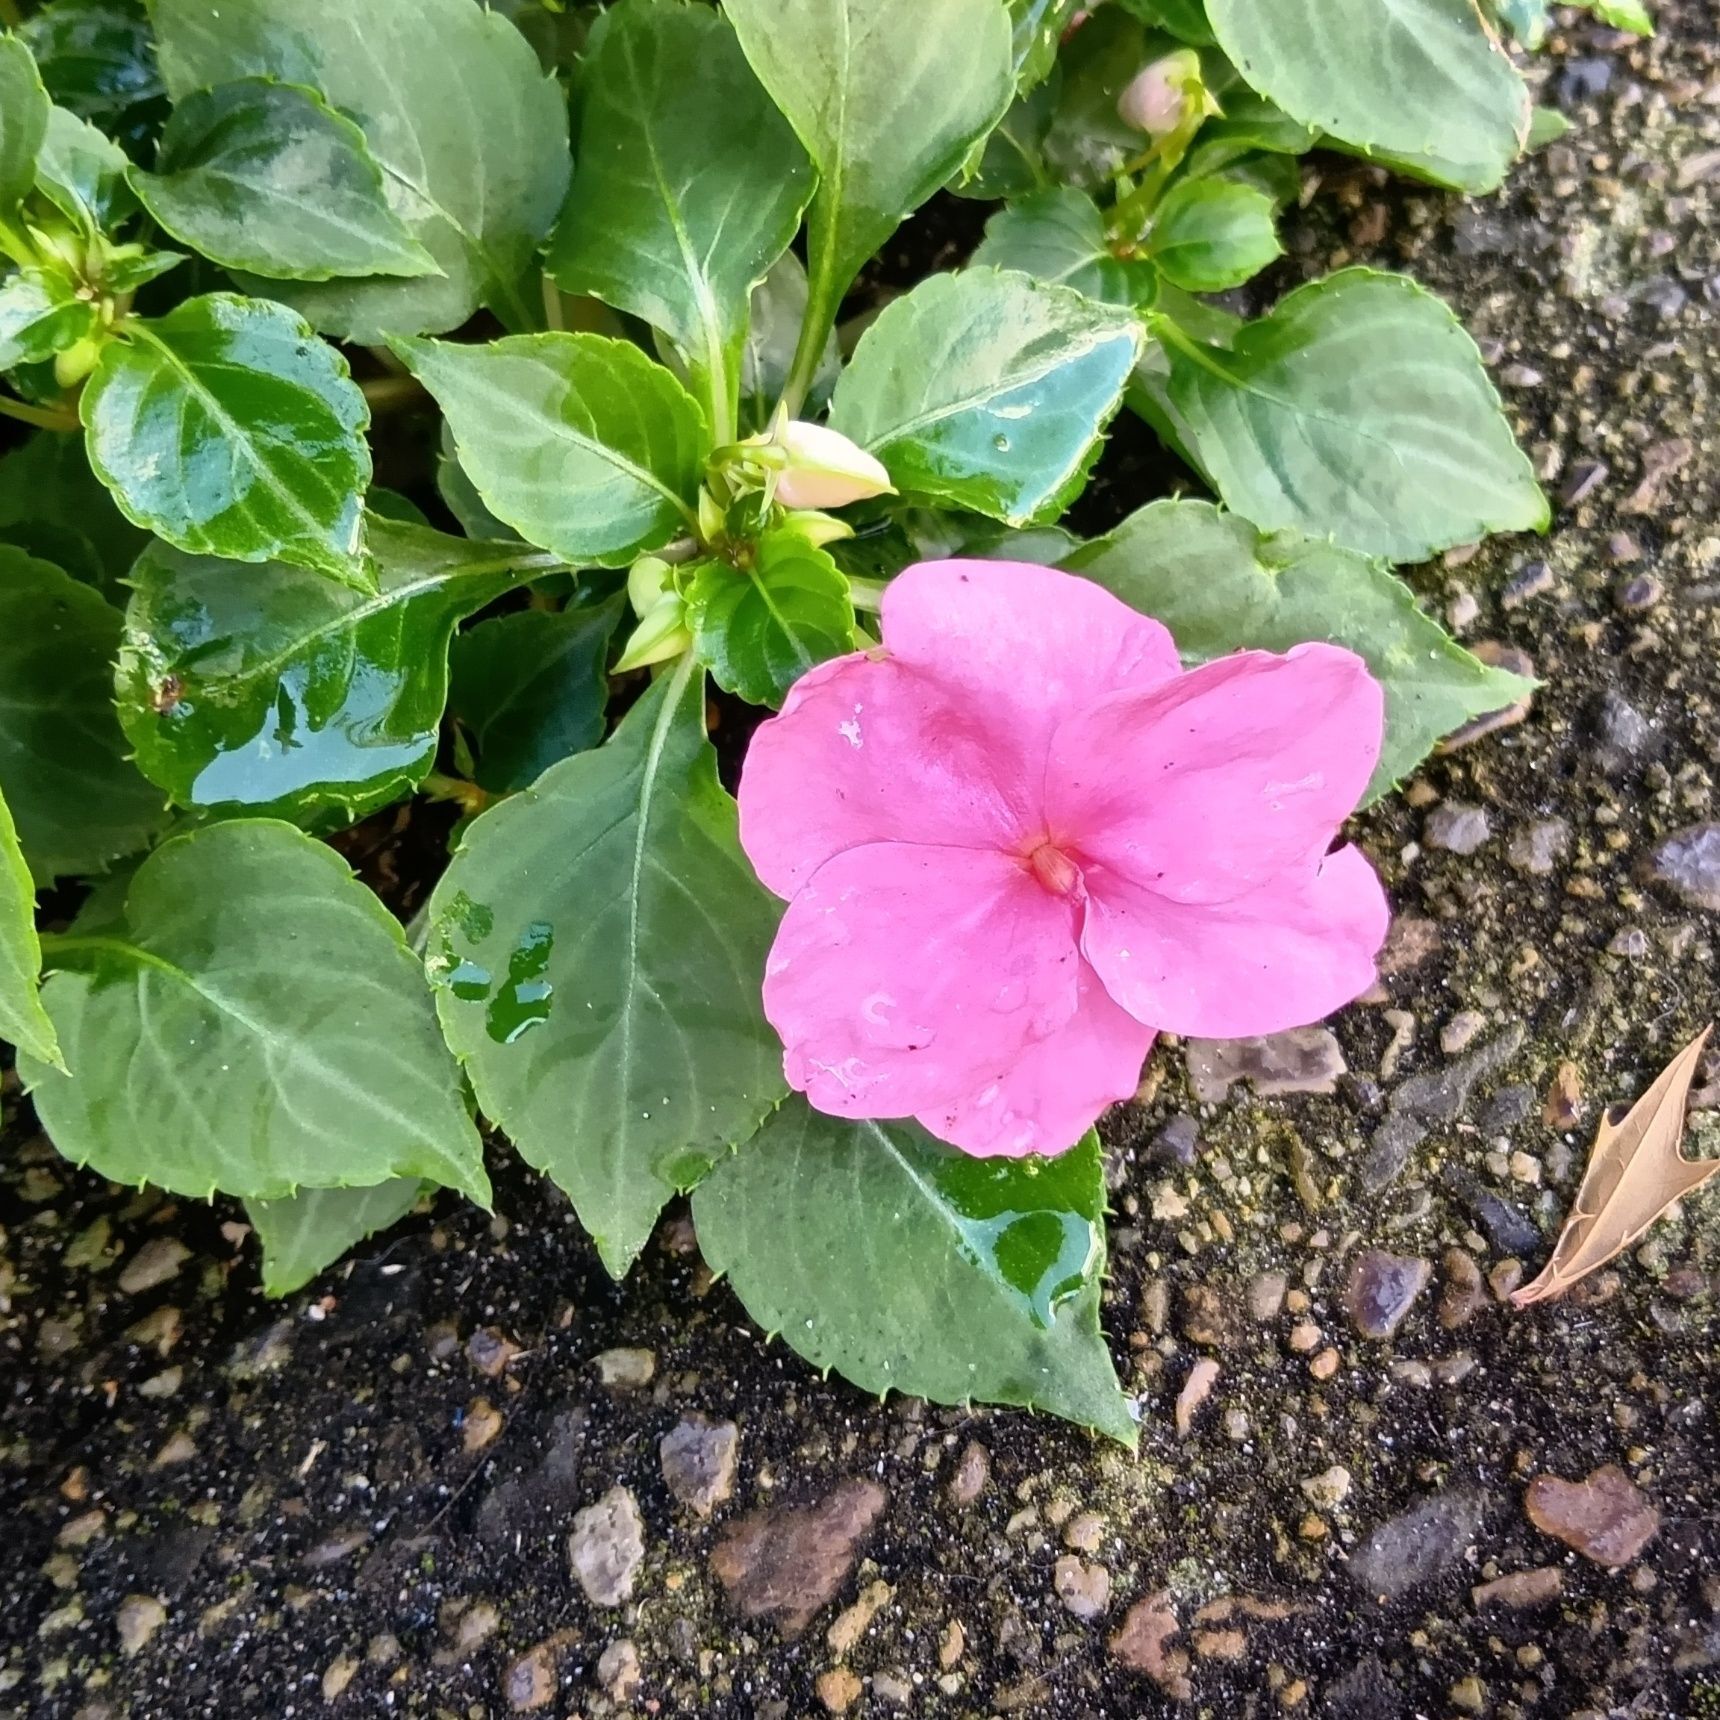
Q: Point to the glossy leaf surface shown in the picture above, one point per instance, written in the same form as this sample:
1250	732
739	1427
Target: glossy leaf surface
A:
23	121
40	315
97	59
54	506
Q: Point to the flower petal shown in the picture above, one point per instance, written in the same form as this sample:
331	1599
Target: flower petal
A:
1283	956
1210	787
903	977
1054	1090
870	749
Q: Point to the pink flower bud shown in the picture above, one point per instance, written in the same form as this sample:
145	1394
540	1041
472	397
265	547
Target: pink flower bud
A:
1163	97
824	469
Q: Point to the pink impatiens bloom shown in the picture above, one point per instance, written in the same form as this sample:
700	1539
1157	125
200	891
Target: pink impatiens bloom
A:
1021	837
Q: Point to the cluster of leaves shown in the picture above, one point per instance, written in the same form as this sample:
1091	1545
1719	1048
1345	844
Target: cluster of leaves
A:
220	643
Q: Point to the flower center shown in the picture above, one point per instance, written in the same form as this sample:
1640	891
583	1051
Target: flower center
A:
1054	869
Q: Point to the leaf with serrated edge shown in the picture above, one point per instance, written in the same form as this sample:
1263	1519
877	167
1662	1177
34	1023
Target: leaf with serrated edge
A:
989	391
1220	585
253	1024
598	946
1359	408
1213	234
55	508
83	173
229	429
875	1250
1058	237
77	801
1635	1172
23	1021
578	442
308	1232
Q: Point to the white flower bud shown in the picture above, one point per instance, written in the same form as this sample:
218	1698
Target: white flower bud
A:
661	635
647	581
1166	95
823	469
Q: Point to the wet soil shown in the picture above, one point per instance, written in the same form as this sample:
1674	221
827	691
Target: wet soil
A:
360	1500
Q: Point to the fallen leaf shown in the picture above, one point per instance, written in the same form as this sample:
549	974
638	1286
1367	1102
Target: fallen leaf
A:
1635	1173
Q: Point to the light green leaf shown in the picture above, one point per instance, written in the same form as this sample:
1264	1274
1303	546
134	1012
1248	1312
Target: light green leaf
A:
1221	586
690	185
23	1021
1527	20
83	173
281	693
305	1234
1630	15
54	506
77	802
268	177
1548	126
989	391
469	131
23	122
229	429
872	1249
778	309
1358	409
253	1024
1212	234
1420	83
760	627
599	945
1058	237
888	97
40	314
578	442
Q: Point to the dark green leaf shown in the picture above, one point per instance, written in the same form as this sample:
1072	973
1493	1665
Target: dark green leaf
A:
1011	160
97	58
40	314
759	628
54	506
1212	234
253	1024
84	173
599	944
461	497
305	1234
989	391
1036	29
268	177
23	1021
778	306
1058	237
1185	19
579	443
229	429
23	122
1088	141
872	1249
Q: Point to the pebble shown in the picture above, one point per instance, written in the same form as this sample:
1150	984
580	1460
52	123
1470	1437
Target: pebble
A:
1688	864
626	1370
1176	1143
1606	1517
1520	1589
618	1670
530	1681
1457	827
1624	734
1586	476
154	1264
1460	1031
698	1456
1464	1294
1265	1295
1143	1644
607	1547
138	1619
838	1689
337	1675
482	1424
1382	1289
1329	1489
1303	1060
490	1352
852	1623
1440	1096
1539	847
1082	1585
1533	579
1197	1388
973	1471
1419	1544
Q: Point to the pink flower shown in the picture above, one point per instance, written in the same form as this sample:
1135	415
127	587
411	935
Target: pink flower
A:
1020	838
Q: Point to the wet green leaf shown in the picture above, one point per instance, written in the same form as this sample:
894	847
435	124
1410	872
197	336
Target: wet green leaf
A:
97	58
872	1249
759	628
54	506
23	121
40	314
305	1234
530	689
989	391
1221	586
1420	83
598	946
254	1024
1359	408
83	173
23	1021
1212	234
579	443
689	186
1058	237
278	692
229	429
268	177
77	801
471	135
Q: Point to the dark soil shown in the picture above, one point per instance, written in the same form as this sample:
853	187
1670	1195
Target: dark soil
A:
361	1499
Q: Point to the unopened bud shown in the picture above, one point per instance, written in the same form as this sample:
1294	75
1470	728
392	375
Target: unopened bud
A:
1167	95
818	529
821	468
662	634
647	582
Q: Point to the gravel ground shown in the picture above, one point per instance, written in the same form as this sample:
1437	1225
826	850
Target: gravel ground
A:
466	1475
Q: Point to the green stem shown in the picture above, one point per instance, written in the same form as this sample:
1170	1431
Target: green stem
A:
824	292
517	310
56	945
1167	331
43	417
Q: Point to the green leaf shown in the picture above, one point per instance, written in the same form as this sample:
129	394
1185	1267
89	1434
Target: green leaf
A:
97	58
578	442
1036	30
872	1249
1088	141
1358	409
530	689
1011	160
599	943
83	174
23	1021
54	506
229	429
1058	237
759	628
305	1234
690	185
778	309
1249	123
470	133
77	801
1629	15
23	122
40	314
1547	126
1221	586
888	97
253	1024
1185	19
1212	234
268	177
988	390
278	692
1420	83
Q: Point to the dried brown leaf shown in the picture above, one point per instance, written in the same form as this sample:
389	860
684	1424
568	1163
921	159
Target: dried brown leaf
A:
1635	1173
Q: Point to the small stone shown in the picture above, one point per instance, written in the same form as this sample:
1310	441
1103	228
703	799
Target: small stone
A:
1564	1105
1538	848
698	1456
1197	1388
154	1264
1329	1489
1084	1533
1533	579
1382	1289
973	1471
838	1689
1459	1032
489	1352
1207	1318
179	1447
1586	476
1083	1587
1464	1294
337	1675
1143	1645
1606	1517
1220	1644
618	1671
477	1624
893	1687
1303	1060
1640	593
607	1547
1418	1545
1688	864
530	1682
1176	1143
1265	1295
1469	1694
626	1370
1325	1365
1520	1589
1457	827
139	1618
1624	734
852	1623
952	1645
482	1424
1503	1277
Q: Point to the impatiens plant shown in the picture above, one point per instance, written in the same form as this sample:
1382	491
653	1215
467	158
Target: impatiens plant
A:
1028	799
